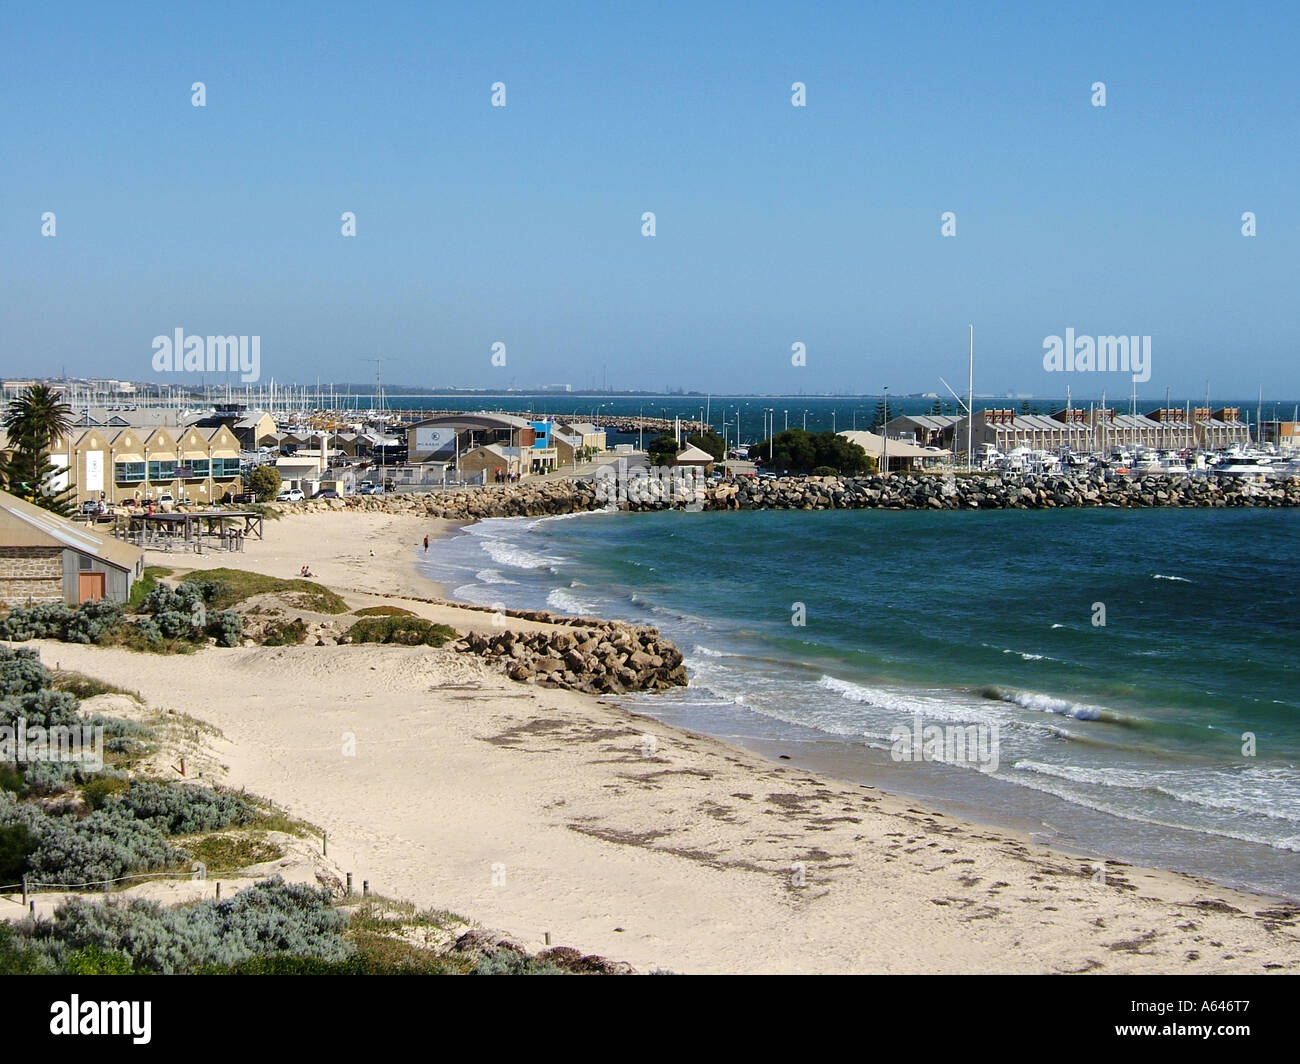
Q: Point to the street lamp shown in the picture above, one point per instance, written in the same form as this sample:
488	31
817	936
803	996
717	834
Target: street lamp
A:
786	426
884	435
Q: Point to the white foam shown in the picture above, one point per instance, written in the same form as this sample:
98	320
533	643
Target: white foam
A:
1162	576
493	576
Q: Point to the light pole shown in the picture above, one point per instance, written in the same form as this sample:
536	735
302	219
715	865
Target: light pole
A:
805	421
884	435
786	426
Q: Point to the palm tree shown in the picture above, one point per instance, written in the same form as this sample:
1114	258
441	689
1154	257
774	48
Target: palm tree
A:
35	421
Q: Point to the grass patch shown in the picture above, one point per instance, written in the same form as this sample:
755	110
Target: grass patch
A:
383	611
230	853
79	685
406	631
234	586
129	637
146	583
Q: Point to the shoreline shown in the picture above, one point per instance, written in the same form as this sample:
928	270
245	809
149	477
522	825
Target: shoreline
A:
648	853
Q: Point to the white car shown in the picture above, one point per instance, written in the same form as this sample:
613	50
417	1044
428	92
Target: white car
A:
166	501
292	495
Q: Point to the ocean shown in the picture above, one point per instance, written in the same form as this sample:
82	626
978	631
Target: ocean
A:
1169	735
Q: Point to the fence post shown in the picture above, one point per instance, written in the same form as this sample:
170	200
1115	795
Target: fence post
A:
349	884
365	888
24	888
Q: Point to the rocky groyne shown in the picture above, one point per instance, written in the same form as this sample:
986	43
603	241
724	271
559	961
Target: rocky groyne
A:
897	492
595	657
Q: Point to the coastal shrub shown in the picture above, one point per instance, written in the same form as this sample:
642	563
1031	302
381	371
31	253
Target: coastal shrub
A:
271	917
88	623
180	809
16	846
99	790
11	779
44	709
383	611
146	583
227	627
284	633
508	962
102	846
823	471
21	671
91	622
16	958
408	631
50	777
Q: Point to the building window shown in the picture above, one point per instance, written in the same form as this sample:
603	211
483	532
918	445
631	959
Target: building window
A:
225	467
163	470
83	561
197	469
129	472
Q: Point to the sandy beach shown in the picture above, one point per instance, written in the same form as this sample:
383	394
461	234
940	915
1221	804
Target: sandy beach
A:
538	811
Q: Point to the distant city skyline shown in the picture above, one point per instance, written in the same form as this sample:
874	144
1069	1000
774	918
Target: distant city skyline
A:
802	169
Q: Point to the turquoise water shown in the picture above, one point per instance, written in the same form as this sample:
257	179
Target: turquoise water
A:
1124	739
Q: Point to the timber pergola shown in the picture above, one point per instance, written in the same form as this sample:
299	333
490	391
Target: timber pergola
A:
188	525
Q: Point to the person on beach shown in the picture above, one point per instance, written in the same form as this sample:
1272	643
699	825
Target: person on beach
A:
426	544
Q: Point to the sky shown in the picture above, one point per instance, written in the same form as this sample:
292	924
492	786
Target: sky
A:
774	225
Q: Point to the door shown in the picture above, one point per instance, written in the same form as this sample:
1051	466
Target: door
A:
90	587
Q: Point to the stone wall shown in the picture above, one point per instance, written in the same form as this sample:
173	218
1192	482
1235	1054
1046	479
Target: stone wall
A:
32	574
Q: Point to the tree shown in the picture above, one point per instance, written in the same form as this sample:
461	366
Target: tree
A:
662	449
797	451
265	480
709	441
1024	407
878	419
35	421
937	409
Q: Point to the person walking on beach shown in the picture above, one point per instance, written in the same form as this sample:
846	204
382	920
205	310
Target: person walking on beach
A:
426	544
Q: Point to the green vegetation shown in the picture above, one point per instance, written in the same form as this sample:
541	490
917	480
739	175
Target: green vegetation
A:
662	449
34	422
709	441
178	621
797	451
234	586
265	481
383	611
79	685
408	631
146	583
284	633
229	853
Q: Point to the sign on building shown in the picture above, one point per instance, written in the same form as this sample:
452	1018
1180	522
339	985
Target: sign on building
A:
435	440
94	471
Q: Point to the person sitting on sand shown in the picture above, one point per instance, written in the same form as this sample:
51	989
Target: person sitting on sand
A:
306	571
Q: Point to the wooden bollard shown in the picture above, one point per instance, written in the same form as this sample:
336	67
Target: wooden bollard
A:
548	938
349	884
365	888
324	843
218	892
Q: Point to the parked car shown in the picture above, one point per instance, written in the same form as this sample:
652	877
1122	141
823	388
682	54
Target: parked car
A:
292	495
369	487
326	493
166	501
243	498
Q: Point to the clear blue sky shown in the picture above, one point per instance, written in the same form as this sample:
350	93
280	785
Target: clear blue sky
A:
775	224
